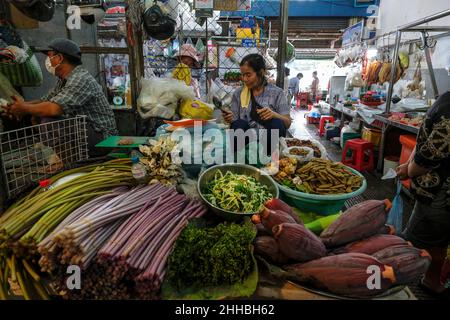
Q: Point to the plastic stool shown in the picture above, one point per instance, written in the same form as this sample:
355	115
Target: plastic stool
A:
362	155
323	121
302	99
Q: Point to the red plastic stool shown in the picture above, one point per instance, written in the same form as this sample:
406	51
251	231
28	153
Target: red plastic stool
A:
323	121
362	155
302	99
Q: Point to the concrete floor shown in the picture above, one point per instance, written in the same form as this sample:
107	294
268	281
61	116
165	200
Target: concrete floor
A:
376	188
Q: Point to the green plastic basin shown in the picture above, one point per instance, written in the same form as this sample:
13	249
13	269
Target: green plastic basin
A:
320	204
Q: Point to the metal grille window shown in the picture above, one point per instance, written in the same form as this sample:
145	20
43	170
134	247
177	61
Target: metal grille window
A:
31	154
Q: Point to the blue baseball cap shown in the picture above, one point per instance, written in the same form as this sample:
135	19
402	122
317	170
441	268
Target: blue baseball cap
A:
64	46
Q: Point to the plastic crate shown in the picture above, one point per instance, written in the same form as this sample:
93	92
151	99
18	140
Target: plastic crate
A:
372	135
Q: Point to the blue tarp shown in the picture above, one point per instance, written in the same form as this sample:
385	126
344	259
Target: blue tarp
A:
305	8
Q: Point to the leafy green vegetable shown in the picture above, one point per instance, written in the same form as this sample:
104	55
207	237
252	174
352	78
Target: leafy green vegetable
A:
235	290
236	193
211	256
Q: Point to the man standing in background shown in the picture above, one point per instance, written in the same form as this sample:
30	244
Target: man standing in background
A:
294	85
314	87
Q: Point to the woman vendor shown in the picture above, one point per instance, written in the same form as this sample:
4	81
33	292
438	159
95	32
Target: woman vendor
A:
258	104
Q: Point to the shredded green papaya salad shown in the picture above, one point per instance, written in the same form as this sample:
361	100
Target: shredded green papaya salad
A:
236	192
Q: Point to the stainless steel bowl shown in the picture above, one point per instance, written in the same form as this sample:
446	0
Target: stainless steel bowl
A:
260	176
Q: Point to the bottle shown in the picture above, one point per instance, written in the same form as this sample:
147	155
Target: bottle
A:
138	171
128	93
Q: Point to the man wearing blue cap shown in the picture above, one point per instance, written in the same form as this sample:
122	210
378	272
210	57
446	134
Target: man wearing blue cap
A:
75	93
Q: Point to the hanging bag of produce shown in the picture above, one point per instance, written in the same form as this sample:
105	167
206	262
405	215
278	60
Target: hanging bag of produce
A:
17	61
395	217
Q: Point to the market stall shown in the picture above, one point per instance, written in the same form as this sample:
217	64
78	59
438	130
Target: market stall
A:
177	213
386	86
135	236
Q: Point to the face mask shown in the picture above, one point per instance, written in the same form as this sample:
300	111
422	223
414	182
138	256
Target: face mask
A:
48	65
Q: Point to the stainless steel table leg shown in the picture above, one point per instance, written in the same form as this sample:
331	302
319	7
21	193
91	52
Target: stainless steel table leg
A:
384	130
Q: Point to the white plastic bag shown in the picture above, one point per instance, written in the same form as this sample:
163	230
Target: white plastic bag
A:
284	146
221	91
300	158
159	97
345	129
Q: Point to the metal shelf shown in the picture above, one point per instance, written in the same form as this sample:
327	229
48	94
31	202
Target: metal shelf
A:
397	124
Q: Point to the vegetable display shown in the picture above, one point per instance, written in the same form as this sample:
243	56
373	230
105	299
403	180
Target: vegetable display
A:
236	193
319	176
161	166
211	256
121	242
355	240
35	216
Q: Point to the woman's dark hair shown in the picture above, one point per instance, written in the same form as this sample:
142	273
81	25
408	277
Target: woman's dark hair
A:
257	63
287	71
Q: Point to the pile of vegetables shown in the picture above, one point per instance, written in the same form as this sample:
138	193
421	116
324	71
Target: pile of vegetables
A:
121	242
318	176
338	260
236	192
25	224
161	166
217	256
232	76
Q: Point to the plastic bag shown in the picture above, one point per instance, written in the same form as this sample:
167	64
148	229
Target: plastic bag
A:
315	143
395	217
354	80
221	91
345	129
159	97
195	109
300	158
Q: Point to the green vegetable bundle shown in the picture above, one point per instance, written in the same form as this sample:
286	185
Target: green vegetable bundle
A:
211	256
236	193
31	219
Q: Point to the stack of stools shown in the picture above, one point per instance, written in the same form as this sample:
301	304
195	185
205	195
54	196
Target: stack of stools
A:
323	122
362	155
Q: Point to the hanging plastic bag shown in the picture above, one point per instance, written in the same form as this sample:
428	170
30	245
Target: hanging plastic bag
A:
395	217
